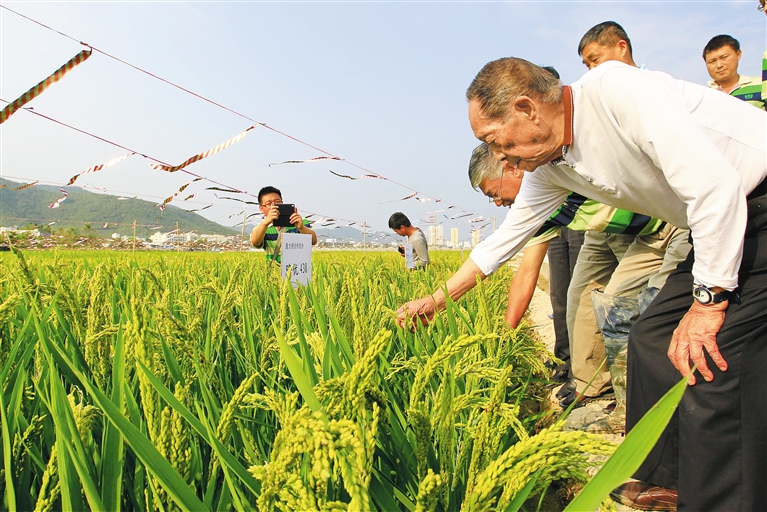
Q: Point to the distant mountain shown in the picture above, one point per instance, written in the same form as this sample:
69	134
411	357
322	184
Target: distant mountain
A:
30	206
344	233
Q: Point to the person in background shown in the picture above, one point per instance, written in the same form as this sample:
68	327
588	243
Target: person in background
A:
268	237
722	55
400	224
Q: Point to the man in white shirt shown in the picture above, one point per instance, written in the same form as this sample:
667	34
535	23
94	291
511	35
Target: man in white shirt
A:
645	142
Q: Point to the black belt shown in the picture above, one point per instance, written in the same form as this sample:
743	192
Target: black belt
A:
759	191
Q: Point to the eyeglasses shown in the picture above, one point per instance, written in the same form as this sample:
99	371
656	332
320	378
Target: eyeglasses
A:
269	204
497	196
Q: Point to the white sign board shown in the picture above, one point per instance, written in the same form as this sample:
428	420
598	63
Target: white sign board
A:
409	262
297	254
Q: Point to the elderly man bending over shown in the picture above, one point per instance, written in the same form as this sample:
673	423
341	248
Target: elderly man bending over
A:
645	142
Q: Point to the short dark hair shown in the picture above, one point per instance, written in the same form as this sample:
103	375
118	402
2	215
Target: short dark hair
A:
552	70
607	33
720	41
398	220
502	81
268	190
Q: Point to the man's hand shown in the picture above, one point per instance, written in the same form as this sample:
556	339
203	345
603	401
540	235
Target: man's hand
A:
270	217
296	220
696	331
422	309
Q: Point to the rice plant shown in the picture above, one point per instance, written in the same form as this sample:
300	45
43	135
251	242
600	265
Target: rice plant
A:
203	382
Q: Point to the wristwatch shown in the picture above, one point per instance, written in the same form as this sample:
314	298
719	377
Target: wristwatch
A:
704	295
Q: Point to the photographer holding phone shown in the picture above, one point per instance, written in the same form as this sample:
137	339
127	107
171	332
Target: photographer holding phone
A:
268	234
400	224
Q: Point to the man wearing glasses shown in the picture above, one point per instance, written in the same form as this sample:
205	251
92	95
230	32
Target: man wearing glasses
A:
268	237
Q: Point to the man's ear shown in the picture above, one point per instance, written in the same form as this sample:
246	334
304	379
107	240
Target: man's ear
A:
525	106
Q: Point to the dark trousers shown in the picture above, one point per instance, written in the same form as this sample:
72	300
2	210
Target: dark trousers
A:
563	253
714	450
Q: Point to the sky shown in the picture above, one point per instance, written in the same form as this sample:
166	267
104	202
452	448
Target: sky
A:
380	85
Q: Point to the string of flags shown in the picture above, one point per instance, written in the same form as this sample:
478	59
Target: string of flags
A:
86	53
42	86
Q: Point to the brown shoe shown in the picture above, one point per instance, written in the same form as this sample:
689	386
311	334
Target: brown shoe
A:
644	496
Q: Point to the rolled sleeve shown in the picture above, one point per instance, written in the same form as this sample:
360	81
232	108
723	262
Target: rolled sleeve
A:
536	201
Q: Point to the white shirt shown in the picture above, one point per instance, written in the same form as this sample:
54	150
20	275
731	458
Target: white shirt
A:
648	143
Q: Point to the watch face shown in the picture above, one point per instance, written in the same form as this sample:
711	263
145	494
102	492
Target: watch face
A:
702	294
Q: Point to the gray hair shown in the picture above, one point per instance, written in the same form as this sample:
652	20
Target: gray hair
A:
607	33
483	166
502	81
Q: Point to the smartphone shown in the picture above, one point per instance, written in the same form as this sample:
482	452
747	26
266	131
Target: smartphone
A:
286	210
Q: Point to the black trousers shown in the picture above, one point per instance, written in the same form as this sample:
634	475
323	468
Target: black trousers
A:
563	253
714	450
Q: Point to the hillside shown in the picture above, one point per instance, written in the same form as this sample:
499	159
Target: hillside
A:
30	206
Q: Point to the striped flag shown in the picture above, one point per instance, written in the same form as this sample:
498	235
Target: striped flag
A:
39	88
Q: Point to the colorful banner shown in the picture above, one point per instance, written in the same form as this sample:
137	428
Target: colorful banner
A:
183	187
100	167
39	88
204	154
403	199
22	187
59	201
316	159
353	178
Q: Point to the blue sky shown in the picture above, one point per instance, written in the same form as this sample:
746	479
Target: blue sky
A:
379	84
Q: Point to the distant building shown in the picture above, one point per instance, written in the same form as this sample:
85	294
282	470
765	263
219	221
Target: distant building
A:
476	237
435	236
454	238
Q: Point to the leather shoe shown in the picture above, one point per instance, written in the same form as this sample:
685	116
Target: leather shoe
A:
567	388
644	496
583	400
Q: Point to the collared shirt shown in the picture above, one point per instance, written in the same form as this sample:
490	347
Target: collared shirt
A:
581	214
648	143
748	89
271	237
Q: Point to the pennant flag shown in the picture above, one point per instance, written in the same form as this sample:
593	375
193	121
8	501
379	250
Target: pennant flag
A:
204	154
353	178
403	199
52	223
424	199
230	190
200	209
191	196
236	214
235	199
39	88
183	187
100	166
154	228
22	187
121	198
105	225
59	201
316	159
88	185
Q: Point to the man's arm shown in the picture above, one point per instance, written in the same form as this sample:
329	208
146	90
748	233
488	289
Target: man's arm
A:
423	309
523	284
302	228
258	233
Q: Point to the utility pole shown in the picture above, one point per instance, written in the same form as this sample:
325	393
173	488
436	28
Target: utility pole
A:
134	236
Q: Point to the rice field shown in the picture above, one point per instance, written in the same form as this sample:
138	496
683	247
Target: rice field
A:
198	381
